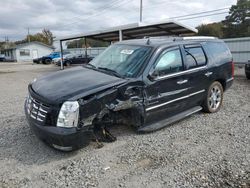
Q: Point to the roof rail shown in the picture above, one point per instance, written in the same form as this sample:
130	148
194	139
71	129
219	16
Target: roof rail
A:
198	38
170	38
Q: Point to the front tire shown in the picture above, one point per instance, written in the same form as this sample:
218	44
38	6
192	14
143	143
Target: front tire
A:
214	98
48	61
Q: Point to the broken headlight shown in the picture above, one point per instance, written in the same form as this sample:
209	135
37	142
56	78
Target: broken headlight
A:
68	115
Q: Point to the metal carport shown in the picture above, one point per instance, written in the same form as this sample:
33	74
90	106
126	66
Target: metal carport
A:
133	31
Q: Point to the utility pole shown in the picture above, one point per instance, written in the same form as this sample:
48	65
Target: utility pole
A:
28	34
140	10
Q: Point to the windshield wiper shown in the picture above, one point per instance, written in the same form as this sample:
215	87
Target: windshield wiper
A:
89	65
113	72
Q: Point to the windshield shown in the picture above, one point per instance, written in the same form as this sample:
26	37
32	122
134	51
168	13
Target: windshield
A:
125	60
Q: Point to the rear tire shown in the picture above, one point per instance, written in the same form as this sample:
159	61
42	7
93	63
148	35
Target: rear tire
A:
67	63
214	98
248	76
247	73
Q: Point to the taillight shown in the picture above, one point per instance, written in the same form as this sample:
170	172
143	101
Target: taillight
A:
232	69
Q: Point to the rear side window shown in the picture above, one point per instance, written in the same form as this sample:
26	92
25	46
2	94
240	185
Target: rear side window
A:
195	57
219	51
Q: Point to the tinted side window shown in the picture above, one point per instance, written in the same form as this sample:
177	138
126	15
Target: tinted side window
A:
169	62
195	57
219	51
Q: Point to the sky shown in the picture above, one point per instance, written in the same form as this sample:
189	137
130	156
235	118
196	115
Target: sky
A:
68	17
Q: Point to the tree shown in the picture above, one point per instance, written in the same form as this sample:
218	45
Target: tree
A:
48	36
213	29
237	23
45	37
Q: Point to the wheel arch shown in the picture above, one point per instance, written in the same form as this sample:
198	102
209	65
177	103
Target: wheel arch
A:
222	82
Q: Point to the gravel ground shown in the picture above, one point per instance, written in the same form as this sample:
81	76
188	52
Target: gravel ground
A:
204	150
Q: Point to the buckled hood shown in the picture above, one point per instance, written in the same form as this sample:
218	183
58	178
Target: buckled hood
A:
78	81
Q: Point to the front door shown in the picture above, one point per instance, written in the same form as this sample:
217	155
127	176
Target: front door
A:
166	92
34	54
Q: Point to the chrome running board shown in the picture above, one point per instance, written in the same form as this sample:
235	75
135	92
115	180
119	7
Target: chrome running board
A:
163	123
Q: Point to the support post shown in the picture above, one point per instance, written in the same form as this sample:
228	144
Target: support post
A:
120	35
61	49
85	43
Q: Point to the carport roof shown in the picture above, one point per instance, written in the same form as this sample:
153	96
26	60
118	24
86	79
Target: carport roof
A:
137	30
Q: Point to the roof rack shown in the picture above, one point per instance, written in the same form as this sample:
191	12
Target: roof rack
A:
170	38
178	38
198	38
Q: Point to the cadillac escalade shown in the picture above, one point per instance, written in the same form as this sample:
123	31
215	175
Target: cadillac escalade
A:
145	83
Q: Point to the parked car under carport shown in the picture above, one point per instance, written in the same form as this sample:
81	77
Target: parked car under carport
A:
77	59
2	57
48	58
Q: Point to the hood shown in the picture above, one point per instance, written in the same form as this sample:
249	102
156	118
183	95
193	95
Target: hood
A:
73	82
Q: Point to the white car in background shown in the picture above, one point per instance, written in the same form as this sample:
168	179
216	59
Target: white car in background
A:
58	59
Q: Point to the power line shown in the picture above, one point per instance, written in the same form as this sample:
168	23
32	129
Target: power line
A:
101	8
156	4
114	4
198	13
119	3
203	16
99	13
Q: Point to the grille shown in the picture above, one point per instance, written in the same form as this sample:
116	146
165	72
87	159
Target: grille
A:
36	109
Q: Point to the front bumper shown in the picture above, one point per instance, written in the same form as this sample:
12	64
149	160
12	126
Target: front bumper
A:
65	139
229	83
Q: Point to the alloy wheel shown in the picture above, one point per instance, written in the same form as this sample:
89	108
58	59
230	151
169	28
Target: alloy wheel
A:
215	97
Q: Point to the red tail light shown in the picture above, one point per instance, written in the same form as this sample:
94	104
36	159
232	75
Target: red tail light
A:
232	69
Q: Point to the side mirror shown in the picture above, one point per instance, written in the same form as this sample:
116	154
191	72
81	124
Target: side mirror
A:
153	74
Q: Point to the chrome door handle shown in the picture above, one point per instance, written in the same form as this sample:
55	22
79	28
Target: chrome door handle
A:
208	74
182	82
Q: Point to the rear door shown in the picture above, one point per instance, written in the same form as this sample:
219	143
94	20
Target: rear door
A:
197	73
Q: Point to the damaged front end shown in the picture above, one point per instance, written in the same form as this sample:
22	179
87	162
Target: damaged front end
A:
119	105
89	99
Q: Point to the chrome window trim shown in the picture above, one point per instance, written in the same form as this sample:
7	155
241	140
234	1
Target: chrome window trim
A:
174	100
181	73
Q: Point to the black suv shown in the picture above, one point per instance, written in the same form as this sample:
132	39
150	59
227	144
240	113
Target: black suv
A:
147	83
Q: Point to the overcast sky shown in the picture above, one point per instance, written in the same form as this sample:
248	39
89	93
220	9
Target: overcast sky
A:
66	17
